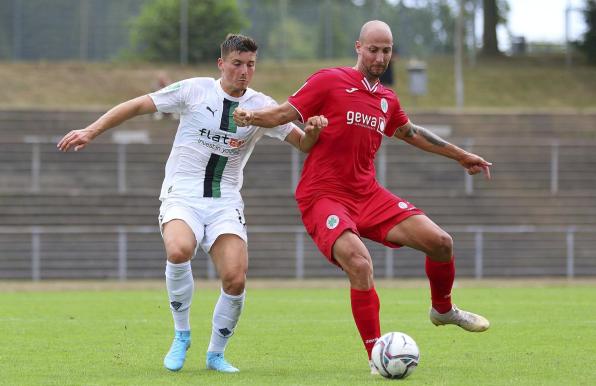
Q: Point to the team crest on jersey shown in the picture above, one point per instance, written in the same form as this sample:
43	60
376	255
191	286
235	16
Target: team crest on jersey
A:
384	105
332	221
402	205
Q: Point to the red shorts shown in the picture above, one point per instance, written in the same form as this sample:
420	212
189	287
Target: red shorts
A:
326	218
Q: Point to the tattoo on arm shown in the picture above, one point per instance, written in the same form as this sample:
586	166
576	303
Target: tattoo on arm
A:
427	135
412	131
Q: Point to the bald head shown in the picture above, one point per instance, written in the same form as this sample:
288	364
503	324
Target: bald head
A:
374	48
375	30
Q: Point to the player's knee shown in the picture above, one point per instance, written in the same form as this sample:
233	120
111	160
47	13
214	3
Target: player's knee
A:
442	249
179	254
233	283
358	266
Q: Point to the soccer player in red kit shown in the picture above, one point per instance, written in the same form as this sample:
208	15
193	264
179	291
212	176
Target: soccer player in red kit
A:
338	195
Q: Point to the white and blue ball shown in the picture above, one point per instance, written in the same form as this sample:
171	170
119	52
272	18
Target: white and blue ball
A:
395	355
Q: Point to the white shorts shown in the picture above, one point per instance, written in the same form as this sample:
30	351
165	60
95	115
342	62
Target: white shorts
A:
207	217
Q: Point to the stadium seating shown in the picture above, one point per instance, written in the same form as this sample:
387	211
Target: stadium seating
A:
91	192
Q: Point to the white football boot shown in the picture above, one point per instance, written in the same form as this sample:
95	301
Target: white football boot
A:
466	320
373	369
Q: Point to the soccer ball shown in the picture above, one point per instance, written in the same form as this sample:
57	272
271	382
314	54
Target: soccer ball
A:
395	355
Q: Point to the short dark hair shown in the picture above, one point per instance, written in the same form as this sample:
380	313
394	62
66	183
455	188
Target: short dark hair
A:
237	42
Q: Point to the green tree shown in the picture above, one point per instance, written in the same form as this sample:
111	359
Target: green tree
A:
334	39
422	30
287	40
588	45
331	26
155	33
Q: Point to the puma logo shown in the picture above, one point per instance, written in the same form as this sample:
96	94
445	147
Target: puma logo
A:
351	90
212	111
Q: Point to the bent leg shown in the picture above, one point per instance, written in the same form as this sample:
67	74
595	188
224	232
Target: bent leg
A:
420	233
353	257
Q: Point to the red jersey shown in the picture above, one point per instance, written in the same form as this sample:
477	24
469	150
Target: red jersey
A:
359	114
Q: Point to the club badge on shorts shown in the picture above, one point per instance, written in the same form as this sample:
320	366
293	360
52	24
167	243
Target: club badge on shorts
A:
332	221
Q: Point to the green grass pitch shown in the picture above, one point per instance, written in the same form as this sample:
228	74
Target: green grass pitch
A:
539	336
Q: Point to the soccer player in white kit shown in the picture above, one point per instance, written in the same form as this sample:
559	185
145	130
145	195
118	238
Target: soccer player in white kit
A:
201	201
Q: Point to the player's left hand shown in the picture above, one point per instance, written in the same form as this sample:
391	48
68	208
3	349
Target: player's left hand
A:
315	124
475	164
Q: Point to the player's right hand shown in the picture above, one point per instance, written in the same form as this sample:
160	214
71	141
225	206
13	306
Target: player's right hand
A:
242	117
75	139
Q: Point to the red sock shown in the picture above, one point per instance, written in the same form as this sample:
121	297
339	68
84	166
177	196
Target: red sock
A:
441	276
365	308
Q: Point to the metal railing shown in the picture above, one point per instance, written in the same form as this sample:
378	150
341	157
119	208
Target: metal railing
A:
548	150
553	147
122	234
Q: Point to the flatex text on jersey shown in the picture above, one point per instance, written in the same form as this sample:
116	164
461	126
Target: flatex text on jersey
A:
220	143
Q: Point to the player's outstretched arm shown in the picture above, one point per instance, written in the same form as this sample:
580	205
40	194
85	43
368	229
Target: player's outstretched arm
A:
428	141
305	140
78	139
268	117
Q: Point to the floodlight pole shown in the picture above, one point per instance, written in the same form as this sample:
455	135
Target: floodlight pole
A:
472	29
567	48
568	56
458	65
328	28
17	30
84	32
183	32
283	17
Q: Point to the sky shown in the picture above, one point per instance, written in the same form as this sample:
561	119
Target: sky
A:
536	20
543	20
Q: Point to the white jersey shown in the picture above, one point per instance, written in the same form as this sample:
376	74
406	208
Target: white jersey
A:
209	151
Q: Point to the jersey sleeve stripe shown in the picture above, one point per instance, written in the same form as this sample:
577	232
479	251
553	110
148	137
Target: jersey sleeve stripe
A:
299	113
